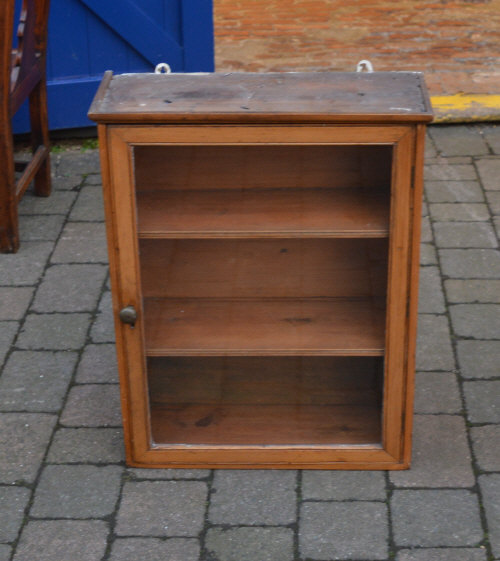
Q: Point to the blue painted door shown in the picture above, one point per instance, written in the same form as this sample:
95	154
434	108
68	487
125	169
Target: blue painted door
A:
87	37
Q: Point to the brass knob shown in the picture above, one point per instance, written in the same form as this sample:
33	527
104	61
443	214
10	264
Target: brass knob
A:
128	315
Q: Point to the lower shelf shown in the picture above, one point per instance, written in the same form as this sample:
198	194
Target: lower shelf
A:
266	400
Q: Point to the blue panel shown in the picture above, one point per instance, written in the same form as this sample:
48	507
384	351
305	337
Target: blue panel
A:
197	26
68	101
172	19
139	30
106	50
87	37
68	39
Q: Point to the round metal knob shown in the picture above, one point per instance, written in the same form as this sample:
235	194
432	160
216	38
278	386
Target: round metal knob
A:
128	315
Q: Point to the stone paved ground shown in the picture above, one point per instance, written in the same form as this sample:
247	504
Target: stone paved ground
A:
66	494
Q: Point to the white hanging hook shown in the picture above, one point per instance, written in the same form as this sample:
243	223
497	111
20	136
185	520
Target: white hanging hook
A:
162	68
364	65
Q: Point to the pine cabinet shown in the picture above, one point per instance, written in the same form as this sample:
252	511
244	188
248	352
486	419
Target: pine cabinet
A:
263	234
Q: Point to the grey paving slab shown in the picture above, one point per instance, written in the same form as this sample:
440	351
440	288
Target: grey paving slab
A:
23	440
430	148
42	227
103	329
14	301
154	549
491	134
479	359
253	497
76	162
81	242
67	183
428	255
458	140
76	491
426	230
59	202
26	266
447	172
249	544
93	179
490	490
456	212
482	399
98	364
350	530
343	485
464	234
441	456
92	405
493	199
479	321
425	209
489	173
472	290
5	552
434	351
8	331
453	192
62	540
63	332
13	502
470	263
485	441
36	380
431	297
102	445
437	392
442	554
70	288
432	518
496	223
149	474
162	508
89	206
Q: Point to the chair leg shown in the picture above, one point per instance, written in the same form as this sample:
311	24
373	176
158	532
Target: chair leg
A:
40	136
9	233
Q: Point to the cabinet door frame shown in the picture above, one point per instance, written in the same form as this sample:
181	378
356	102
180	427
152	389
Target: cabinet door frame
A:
117	144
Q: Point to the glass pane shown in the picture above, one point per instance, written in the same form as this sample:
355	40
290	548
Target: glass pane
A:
264	277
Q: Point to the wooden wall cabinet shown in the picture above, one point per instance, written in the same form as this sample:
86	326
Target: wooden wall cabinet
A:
263	238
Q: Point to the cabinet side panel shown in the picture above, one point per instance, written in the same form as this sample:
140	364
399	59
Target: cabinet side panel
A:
414	278
397	305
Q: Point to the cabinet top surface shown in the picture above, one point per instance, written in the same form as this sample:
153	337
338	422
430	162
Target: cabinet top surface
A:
262	98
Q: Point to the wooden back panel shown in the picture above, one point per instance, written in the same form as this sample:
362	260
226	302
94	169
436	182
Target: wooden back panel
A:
288	268
264	167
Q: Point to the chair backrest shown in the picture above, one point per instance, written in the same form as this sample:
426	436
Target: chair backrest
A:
26	62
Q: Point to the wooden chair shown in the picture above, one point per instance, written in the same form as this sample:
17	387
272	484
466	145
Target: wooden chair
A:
22	76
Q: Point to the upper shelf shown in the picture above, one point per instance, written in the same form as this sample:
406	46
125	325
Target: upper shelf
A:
275	213
262	97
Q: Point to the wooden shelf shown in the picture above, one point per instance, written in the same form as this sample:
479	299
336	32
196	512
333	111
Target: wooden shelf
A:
263	213
267	327
273	400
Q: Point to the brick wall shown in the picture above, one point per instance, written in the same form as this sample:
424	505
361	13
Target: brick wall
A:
456	43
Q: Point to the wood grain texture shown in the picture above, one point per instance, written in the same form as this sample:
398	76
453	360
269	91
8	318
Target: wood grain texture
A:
248	213
271	97
265	268
262	327
263	166
258	251
289	400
